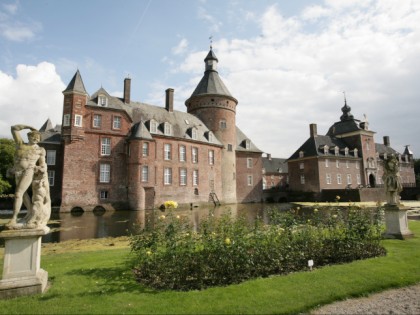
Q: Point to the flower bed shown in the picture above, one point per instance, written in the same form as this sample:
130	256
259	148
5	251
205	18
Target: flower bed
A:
222	251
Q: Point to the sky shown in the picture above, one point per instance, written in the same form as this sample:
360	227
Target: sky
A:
288	63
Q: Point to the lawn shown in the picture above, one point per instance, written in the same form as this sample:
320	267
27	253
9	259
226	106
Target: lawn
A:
98	281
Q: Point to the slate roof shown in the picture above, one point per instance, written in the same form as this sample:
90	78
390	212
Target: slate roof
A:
275	165
241	142
76	84
50	134
314	146
384	149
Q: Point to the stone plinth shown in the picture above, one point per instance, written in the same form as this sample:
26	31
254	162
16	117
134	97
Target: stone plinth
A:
396	222
22	274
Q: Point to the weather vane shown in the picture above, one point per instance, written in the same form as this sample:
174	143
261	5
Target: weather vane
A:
211	41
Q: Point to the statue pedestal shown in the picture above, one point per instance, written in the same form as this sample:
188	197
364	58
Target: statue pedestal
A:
396	223
22	274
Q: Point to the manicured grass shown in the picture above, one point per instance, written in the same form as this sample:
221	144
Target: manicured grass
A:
99	282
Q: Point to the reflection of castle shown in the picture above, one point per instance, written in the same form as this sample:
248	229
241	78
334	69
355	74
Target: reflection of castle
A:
117	153
346	157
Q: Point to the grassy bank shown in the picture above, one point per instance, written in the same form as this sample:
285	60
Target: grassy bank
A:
86	282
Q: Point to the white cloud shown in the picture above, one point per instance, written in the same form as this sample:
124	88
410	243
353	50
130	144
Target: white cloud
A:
214	24
295	73
181	47
31	97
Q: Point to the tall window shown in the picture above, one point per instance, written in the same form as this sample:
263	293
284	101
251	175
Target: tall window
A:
302	179
223	124
104	173
211	138
194	133
51	177
249	180
338	178
337	163
105	146
230	147
211	157
347	164
183	176
66	120
97	121
182	153
358	179
50	157
327	162
348	179
116	124
167	151
247	144
357	164
195	155
336	151
301	166
167	129
167	176
78	120
102	100
328	176
301	154
144	173
153	126
145	149
195	177
249	162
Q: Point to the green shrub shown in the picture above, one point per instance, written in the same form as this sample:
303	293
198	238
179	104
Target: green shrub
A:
170	254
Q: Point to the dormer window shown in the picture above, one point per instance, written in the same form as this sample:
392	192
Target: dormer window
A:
385	156
346	151
301	154
355	153
194	133
167	129
102	101
326	148
153	126
210	136
247	144
336	151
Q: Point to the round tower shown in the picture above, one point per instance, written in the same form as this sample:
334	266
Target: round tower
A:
213	104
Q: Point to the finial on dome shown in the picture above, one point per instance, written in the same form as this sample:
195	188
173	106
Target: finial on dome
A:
211	42
346	110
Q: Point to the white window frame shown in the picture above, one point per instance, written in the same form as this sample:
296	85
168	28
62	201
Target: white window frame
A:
102	101
167	129
336	151
247	144
326	148
78	120
250	180
145	149
104	173
339	182
358	179
51	177
194	133
167	149
195	178
337	163
249	163
355	152
153	126
327	163
183	177
167	176
145	174
211	157
301	154
182	153
66	120
194	155
105	146
51	157
302	179
211	137
348	179
116	122
97	121
301	165
328	179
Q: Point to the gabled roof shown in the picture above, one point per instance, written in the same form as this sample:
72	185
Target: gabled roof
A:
382	149
241	139
76	84
275	165
46	126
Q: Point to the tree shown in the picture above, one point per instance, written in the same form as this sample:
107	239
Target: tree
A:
7	153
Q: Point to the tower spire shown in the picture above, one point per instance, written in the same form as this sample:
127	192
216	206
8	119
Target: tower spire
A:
346	110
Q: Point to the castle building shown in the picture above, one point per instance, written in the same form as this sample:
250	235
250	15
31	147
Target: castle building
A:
116	153
275	173
346	157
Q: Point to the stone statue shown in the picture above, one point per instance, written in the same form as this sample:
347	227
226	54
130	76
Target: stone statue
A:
30	169
392	180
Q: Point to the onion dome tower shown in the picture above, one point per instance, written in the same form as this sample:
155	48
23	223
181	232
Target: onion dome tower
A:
213	104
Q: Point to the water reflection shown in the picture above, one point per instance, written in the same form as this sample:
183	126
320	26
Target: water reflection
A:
87	225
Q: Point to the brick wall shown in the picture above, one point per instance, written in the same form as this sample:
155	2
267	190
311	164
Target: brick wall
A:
248	176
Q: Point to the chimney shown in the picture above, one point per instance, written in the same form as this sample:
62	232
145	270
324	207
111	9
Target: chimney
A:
269	156
313	130
127	90
386	141
169	104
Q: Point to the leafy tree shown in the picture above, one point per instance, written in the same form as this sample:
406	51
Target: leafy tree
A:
7	153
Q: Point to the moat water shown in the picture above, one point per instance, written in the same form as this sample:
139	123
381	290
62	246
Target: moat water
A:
88	225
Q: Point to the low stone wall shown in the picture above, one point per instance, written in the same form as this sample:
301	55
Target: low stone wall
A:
354	195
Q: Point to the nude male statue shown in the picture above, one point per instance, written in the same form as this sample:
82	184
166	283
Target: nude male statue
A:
29	159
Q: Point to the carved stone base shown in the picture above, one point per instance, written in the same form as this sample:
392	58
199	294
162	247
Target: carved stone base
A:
396	223
22	274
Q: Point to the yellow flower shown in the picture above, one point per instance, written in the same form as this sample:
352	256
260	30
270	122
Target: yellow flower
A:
178	217
337	197
334	216
227	241
315	210
148	253
162	217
